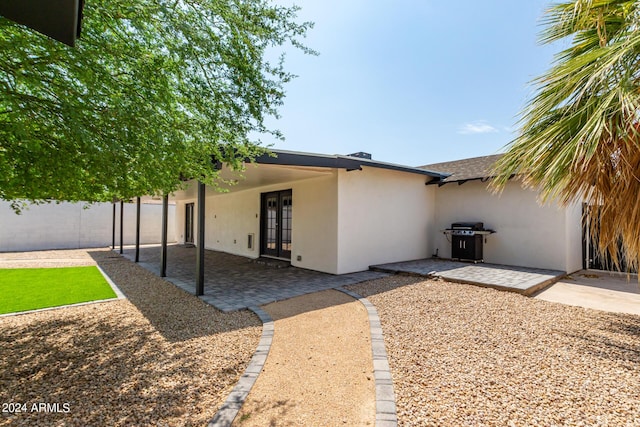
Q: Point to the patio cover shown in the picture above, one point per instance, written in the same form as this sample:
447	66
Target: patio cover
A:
59	19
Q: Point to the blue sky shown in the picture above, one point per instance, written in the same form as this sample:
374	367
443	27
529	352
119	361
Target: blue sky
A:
412	82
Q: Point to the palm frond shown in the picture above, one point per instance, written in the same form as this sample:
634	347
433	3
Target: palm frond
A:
579	136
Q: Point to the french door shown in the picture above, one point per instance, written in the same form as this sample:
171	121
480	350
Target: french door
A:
276	217
188	223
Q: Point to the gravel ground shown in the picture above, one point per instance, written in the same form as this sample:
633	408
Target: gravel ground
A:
469	356
56	258
319	371
162	357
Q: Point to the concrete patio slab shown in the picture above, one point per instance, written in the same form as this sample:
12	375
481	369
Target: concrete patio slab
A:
522	280
233	282
600	290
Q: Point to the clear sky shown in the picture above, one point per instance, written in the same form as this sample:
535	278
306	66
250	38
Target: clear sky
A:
412	81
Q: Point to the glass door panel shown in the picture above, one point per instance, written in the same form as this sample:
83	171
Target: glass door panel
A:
276	223
286	205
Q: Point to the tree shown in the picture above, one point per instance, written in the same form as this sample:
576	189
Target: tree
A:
579	136
152	92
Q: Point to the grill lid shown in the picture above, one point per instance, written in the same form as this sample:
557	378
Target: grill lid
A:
475	226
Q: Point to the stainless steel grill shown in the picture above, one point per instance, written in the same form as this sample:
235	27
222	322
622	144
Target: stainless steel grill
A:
466	240
466	228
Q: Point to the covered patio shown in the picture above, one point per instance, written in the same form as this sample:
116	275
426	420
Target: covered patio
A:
234	282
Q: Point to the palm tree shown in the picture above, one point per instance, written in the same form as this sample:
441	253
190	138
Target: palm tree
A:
579	136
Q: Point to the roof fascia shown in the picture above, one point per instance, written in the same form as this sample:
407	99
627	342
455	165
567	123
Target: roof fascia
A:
290	158
462	181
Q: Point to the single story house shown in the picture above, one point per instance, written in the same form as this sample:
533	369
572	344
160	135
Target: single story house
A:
340	214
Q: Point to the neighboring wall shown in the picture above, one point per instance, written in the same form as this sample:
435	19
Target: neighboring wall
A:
232	216
77	225
527	233
383	216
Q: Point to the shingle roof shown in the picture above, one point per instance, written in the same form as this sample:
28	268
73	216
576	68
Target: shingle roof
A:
465	169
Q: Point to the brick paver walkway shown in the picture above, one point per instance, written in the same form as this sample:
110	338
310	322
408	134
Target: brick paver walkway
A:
522	280
234	282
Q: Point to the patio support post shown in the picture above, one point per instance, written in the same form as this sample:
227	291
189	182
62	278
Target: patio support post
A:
200	252
121	223
163	254
113	228
137	229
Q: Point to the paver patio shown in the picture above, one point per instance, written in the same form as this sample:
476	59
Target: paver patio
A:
522	280
233	282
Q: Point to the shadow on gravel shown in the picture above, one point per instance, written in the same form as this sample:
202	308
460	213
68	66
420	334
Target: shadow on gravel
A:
307	303
375	287
109	368
316	301
175	314
617	339
282	406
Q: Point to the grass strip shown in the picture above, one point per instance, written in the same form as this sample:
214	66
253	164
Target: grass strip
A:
23	289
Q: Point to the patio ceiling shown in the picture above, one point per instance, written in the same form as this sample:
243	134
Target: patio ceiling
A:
255	176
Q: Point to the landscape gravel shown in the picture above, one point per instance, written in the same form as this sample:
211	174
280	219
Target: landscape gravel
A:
319	371
51	258
462	355
161	357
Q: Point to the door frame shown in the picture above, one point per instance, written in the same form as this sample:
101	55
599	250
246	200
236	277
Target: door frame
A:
283	198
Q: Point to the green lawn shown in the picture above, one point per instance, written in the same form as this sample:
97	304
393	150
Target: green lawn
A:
24	289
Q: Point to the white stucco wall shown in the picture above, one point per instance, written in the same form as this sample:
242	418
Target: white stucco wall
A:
383	216
230	217
315	224
527	233
77	225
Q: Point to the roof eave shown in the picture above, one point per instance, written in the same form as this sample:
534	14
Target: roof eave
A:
293	158
463	180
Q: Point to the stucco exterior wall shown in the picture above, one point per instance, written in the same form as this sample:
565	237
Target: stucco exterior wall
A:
383	216
77	225
315	224
230	217
527	233
345	221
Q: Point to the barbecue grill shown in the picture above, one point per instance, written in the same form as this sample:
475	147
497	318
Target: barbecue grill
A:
466	240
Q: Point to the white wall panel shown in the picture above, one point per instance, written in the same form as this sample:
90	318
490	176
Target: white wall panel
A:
527	233
77	225
384	216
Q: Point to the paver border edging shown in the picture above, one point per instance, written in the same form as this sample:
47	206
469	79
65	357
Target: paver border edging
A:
386	415
228	411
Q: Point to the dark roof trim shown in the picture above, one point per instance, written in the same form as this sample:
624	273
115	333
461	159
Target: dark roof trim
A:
59	19
462	181
296	158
